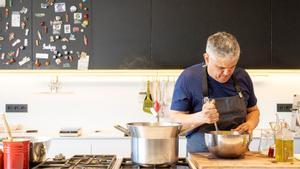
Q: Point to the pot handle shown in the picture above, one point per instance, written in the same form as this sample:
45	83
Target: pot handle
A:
122	129
183	132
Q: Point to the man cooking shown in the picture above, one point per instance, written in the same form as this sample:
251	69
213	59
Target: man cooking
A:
232	102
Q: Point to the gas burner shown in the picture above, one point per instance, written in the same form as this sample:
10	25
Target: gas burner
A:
81	162
128	164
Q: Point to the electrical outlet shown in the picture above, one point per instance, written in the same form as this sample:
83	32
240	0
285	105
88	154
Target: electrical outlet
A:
16	108
284	107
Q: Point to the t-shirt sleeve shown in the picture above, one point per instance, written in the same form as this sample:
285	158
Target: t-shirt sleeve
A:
180	99
252	100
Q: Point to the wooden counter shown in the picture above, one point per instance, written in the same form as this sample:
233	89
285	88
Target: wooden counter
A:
251	160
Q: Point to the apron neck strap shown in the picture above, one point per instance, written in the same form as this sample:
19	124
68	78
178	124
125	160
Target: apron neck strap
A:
237	87
204	81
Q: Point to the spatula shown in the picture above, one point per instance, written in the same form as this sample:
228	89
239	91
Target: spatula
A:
148	103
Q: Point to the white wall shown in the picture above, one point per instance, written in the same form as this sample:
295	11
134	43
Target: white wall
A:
272	89
91	102
99	102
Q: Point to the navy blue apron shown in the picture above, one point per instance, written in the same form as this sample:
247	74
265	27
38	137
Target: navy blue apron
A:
232	112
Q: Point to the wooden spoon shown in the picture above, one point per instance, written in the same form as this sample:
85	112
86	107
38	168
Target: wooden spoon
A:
6	126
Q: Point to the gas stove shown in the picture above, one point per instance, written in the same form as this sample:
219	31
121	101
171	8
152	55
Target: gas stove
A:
126	163
80	162
103	162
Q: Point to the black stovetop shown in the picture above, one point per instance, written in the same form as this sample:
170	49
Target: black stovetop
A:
80	162
104	162
180	164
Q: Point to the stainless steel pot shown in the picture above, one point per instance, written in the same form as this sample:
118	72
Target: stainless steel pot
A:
38	149
154	143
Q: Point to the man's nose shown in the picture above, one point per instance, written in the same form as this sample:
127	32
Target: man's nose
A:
227	72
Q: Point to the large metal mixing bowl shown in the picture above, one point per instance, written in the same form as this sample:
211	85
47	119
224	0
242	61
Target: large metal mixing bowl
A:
227	144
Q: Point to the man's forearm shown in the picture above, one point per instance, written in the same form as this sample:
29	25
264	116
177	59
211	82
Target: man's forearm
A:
187	120
253	116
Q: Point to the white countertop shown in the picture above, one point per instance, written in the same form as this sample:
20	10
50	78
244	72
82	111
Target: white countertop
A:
91	134
86	134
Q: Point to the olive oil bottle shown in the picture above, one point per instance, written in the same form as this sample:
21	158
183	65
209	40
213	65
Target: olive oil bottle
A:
284	146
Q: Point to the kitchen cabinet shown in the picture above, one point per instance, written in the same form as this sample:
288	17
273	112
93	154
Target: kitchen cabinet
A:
180	30
69	147
120	146
15	34
43	35
121	34
156	34
285	33
59	36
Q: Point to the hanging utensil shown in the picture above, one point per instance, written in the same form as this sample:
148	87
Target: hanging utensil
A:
157	94
148	103
164	97
155	114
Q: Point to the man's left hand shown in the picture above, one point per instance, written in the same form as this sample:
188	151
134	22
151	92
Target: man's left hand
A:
244	127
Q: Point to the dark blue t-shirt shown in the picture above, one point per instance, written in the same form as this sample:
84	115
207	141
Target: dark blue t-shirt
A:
188	96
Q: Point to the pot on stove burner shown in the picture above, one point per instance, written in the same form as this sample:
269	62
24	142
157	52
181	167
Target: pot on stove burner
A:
154	143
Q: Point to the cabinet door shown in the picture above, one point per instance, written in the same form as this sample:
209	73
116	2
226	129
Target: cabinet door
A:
285	33
117	146
61	33
121	34
69	147
15	32
180	30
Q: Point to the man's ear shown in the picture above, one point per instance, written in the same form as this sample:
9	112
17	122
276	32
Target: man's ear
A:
206	58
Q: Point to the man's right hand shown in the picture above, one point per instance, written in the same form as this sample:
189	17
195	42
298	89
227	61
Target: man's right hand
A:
209	113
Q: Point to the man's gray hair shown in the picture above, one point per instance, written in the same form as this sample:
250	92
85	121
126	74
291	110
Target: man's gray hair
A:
222	44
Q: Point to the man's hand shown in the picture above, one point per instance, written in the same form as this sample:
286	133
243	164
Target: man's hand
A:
245	127
252	120
209	113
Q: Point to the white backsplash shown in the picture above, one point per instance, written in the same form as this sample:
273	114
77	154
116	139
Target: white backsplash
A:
100	102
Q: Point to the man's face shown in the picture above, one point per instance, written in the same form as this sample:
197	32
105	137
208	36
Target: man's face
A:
220	68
